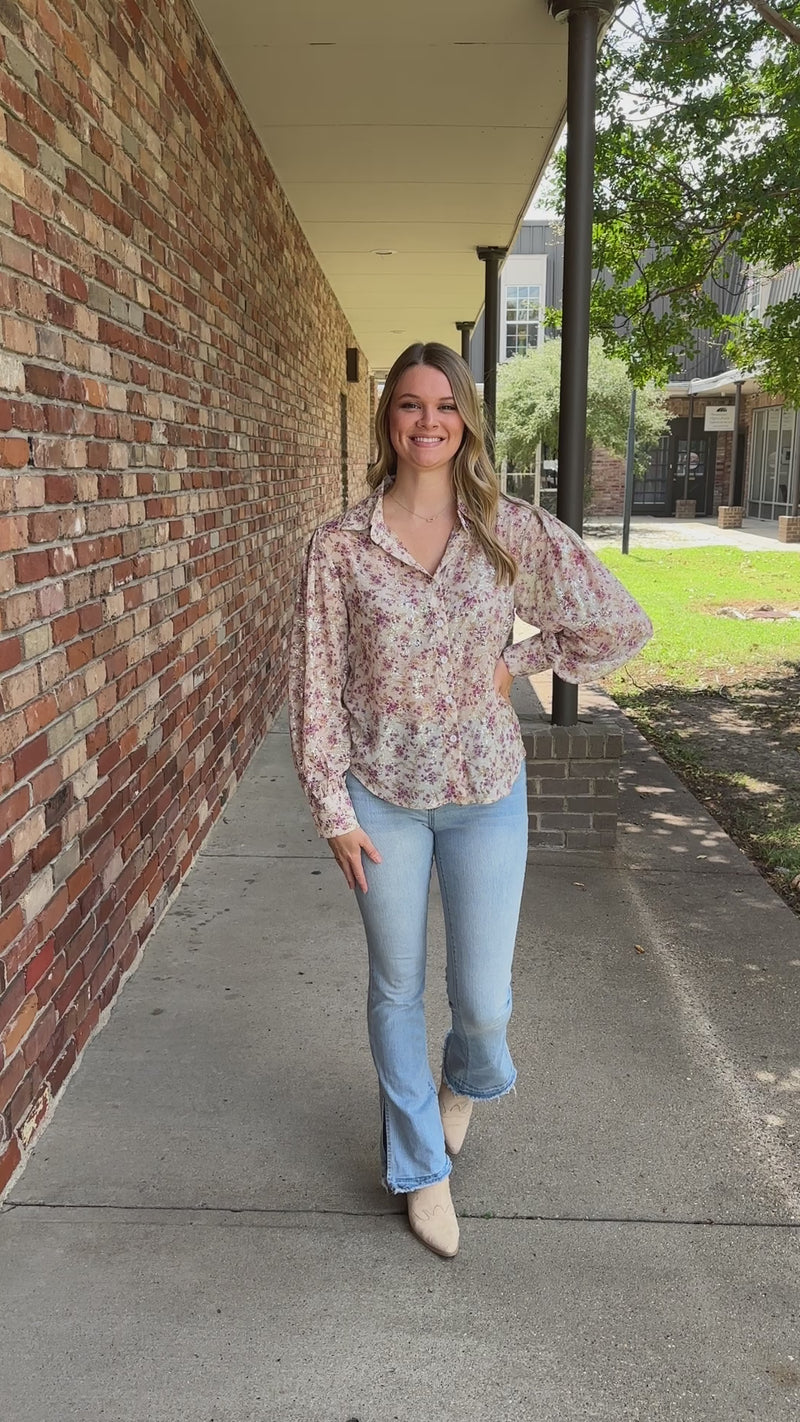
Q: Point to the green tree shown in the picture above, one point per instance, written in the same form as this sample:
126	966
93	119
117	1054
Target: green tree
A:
697	173
528	389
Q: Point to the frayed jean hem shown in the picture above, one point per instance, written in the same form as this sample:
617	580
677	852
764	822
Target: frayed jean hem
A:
404	1187
460	1090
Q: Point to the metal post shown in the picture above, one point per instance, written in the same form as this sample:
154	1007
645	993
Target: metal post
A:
584	24
466	329
793	501
737	409
629	469
689	423
492	256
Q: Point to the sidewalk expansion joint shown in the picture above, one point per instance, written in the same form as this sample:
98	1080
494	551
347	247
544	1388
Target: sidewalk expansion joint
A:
249	854
209	1212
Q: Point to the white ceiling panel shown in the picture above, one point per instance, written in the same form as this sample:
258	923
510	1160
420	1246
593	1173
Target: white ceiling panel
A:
309	22
294	85
420	129
355	202
375	154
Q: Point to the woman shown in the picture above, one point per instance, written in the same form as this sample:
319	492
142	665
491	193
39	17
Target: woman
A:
409	751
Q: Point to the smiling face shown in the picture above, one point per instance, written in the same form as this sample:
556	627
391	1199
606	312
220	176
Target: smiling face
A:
424	424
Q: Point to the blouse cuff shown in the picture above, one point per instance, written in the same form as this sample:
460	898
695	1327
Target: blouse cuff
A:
333	814
528	657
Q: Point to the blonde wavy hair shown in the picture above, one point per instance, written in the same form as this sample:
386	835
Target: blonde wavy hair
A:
474	477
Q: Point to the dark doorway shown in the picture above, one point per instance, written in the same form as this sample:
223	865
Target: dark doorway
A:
664	479
700	451
650	492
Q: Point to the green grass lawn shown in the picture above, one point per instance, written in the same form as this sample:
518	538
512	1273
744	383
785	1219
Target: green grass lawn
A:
683	590
719	698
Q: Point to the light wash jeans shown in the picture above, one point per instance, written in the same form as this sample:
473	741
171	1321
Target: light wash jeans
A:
480	853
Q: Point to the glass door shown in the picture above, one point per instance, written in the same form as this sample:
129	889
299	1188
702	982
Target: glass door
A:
769	476
771	455
699	454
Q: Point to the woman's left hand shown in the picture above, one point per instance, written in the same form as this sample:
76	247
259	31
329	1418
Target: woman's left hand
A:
502	679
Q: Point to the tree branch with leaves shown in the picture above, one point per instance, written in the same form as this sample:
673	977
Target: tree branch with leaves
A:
696	181
528	398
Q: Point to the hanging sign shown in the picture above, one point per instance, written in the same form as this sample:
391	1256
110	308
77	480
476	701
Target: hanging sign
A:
719	417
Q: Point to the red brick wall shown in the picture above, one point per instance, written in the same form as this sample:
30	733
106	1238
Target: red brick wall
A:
607	486
169	436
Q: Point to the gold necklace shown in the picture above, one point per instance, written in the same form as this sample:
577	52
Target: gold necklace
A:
425	519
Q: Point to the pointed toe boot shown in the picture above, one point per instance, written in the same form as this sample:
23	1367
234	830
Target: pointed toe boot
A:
433	1219
455	1112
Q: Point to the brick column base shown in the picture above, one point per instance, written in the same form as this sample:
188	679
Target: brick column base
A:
789	528
685	508
573	783
730	516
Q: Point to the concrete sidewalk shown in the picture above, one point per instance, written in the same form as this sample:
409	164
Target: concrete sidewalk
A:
201	1236
755	536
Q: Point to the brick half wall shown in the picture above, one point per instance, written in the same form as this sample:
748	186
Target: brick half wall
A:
170	433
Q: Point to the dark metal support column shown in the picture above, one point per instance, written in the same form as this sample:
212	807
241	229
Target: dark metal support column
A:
584	18
629	475
689	423
466	328
793	507
737	410
492	256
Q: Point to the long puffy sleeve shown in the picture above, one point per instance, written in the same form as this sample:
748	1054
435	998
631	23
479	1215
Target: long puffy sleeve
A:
588	622
318	720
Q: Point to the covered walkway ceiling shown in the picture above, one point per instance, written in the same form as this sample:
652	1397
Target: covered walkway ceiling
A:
418	128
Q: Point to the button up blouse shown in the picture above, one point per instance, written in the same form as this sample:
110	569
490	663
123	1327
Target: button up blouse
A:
392	667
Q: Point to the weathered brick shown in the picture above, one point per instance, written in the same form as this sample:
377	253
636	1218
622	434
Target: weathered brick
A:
46	850
565	821
39	965
31	567
11	924
62	1067
30	756
9	1161
14	807
21	141
13	533
12	373
11	1076
20	1025
19	688
575	789
38	895
600	767
546	804
27	834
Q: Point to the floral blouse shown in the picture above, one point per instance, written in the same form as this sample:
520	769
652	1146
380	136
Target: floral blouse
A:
392	668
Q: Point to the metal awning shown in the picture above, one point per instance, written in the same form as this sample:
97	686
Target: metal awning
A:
417	130
723	384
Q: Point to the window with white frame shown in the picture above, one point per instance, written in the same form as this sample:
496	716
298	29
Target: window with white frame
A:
523	313
771	449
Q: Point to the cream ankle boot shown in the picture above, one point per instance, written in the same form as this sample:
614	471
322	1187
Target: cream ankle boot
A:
433	1219
455	1112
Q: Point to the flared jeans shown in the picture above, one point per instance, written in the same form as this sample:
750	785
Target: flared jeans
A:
480	853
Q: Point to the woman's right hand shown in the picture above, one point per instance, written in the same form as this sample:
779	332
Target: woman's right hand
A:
347	850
